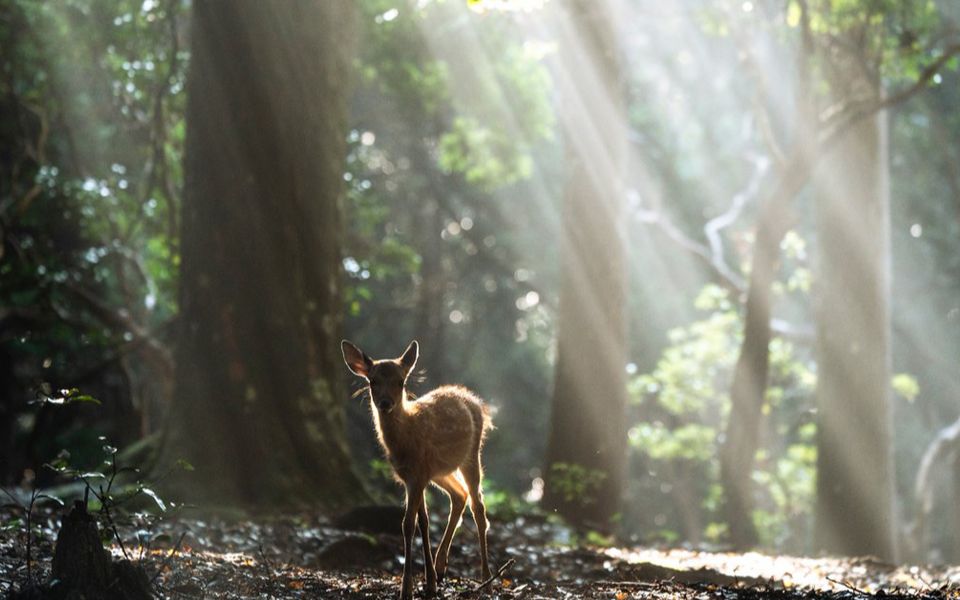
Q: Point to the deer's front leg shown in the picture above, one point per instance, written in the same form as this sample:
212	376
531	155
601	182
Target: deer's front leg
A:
414	500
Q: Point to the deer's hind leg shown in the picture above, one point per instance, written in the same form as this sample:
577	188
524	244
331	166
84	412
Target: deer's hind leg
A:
429	571
457	491
472	474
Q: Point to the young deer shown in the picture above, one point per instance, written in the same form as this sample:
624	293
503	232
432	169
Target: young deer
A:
434	439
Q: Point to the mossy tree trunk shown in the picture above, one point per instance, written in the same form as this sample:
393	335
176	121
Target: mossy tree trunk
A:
258	401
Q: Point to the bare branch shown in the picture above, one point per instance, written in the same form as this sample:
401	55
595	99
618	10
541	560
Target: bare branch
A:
715	225
732	281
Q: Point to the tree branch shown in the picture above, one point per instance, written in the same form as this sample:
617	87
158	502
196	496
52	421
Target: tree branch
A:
730	280
847	117
121	319
715	225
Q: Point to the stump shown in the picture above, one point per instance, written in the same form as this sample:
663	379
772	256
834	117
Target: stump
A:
82	567
79	560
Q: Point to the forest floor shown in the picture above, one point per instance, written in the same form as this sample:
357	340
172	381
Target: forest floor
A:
311	557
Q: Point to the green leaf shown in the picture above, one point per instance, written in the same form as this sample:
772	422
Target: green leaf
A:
906	386
83	398
156	498
54	499
67	396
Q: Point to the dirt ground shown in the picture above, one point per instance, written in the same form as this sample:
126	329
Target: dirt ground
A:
308	556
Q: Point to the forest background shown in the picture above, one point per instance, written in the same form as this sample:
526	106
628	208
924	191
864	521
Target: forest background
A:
768	234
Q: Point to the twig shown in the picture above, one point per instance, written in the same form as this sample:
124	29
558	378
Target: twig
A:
644	584
166	562
13	498
105	511
105	501
17	504
265	558
496	575
848	586
33	500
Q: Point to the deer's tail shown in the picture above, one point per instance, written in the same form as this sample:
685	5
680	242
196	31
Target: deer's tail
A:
482	420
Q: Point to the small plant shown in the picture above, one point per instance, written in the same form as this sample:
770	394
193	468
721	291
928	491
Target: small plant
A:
26	521
109	496
27	508
107	491
576	483
505	505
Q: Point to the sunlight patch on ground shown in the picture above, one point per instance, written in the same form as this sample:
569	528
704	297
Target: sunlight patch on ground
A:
826	574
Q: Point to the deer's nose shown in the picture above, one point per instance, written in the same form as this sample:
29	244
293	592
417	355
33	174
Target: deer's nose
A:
384	404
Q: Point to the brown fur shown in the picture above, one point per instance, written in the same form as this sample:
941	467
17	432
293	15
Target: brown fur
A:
437	439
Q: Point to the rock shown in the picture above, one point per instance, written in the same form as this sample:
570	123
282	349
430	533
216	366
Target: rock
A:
353	552
374	519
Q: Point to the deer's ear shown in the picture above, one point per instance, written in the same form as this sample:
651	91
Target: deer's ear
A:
357	361
409	358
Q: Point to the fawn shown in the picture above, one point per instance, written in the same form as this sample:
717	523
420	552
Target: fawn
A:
434	439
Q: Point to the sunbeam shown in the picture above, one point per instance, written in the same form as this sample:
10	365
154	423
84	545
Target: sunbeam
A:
676	275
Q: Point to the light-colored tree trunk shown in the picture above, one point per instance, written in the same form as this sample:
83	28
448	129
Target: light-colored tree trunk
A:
855	479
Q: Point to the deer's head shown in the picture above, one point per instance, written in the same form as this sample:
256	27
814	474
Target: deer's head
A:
385	378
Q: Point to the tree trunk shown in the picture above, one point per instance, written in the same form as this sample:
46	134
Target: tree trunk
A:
748	390
258	404
953	552
854	506
586	448
431	308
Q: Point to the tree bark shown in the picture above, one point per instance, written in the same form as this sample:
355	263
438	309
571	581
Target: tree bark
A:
431	307
953	552
81	567
79	560
747	393
587	434
258	401
854	505
748	390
